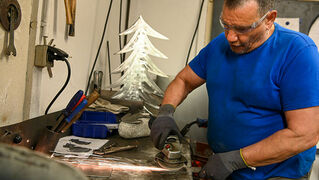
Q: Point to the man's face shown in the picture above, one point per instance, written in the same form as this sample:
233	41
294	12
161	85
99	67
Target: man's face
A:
243	17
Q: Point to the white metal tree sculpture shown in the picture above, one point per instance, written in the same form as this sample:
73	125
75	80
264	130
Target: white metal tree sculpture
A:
136	83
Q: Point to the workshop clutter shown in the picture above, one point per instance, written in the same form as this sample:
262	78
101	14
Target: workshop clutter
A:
94	124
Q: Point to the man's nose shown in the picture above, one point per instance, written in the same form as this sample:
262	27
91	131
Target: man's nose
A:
231	36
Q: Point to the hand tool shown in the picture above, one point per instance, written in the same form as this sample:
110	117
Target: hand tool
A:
11	48
68	12
10	18
76	110
111	147
70	9
71	116
81	99
95	79
67	111
90	99
5	8
73	10
114	149
99	81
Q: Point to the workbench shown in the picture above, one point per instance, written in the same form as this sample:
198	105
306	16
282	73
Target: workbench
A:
137	163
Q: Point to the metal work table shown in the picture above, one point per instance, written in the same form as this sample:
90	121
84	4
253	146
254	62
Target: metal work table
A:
137	163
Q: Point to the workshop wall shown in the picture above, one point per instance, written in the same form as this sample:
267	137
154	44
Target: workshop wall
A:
13	69
174	19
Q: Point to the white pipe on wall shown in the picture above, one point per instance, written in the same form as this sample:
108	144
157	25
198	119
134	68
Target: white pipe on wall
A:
44	18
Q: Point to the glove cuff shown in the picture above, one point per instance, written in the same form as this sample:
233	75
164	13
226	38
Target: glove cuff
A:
166	109
232	160
242	157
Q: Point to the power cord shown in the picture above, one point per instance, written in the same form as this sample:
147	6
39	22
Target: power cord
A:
98	51
57	54
312	22
196	28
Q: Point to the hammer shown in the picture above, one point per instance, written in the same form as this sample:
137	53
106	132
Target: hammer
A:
70	7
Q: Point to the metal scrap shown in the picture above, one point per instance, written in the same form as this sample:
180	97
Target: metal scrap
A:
75	148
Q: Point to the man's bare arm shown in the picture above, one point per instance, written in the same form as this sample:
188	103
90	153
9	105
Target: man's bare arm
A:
184	83
301	134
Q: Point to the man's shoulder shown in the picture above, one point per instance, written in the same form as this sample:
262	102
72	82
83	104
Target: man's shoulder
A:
288	36
218	42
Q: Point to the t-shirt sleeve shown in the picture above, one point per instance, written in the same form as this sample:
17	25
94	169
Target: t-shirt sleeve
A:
299	85
198	64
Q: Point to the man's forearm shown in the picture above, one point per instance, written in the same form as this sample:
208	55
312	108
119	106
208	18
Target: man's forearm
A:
175	93
277	147
184	83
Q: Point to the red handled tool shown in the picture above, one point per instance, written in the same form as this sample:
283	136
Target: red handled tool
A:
68	110
90	99
71	116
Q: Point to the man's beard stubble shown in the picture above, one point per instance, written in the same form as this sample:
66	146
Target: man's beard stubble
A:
248	46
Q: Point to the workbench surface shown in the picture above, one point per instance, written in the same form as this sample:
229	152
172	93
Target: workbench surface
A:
137	163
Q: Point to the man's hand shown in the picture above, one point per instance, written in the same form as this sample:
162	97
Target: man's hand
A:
163	126
219	166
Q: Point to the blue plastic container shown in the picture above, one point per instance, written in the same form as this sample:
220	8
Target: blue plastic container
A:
93	124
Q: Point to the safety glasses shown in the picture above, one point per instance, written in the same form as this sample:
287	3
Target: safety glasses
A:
242	29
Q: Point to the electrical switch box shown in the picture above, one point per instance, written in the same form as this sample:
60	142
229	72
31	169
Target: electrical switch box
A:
41	55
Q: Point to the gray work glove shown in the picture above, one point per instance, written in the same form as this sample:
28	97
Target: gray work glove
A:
163	126
219	166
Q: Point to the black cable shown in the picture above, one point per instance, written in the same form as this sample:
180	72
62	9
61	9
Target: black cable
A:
313	22
109	62
128	6
120	24
190	48
98	51
63	87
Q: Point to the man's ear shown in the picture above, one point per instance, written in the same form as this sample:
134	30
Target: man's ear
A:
271	18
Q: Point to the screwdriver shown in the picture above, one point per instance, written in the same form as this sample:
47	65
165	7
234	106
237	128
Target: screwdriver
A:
74	113
68	110
91	98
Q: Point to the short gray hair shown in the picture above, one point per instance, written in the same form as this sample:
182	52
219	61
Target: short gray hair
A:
264	5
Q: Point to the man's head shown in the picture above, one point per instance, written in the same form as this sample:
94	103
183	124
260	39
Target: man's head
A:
247	23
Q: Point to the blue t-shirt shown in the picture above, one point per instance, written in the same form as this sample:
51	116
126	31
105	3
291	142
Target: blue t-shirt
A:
249	93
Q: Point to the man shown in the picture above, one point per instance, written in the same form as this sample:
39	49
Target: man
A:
263	87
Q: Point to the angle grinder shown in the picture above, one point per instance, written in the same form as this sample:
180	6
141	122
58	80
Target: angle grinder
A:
170	157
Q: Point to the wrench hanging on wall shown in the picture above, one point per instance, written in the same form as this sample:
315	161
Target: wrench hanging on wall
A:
10	18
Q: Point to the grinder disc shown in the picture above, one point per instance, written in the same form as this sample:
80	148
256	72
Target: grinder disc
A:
172	164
